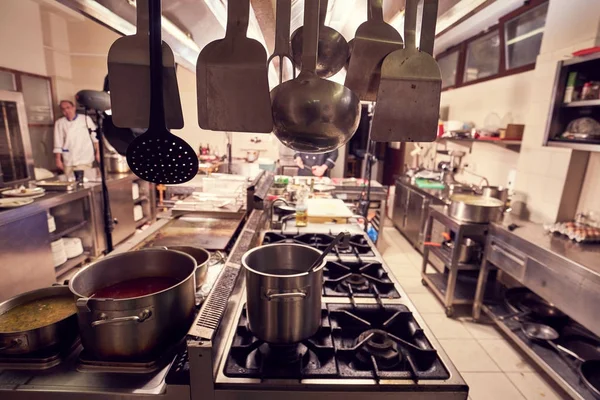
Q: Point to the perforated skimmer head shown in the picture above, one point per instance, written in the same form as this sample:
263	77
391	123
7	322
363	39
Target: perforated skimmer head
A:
162	159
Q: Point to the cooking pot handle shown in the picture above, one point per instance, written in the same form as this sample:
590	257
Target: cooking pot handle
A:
13	343
104	320
273	296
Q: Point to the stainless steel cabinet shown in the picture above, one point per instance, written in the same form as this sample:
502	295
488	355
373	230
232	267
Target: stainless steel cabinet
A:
416	211
121	207
400	204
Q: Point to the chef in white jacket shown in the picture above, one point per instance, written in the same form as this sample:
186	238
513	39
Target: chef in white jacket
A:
75	146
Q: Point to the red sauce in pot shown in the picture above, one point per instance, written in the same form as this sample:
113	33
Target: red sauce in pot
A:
135	288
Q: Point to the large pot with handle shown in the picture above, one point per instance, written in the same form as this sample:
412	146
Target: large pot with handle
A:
202	258
130	327
475	209
38	336
283	292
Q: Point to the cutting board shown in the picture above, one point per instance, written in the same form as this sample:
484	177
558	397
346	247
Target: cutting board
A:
321	211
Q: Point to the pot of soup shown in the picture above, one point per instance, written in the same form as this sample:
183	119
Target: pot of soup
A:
132	304
36	320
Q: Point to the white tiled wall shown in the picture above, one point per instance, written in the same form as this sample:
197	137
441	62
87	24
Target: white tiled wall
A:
590	195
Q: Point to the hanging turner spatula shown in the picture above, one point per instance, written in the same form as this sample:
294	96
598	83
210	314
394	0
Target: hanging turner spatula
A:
129	74
372	42
408	100
233	88
159	156
282	49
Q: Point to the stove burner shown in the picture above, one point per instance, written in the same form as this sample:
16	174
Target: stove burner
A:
356	281
358	246
253	358
377	344
282	354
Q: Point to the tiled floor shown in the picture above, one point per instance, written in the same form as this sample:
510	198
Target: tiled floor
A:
491	366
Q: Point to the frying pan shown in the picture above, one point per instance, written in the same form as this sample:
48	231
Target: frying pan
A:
588	370
525	303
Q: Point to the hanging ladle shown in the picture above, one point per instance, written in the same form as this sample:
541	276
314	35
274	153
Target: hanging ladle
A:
313	115
342	236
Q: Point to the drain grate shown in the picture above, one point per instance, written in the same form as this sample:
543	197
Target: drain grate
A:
214	307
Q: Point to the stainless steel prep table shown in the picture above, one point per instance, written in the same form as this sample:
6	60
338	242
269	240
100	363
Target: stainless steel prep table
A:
562	272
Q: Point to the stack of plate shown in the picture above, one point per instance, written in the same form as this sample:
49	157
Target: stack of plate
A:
73	247
138	213
135	191
59	254
51	224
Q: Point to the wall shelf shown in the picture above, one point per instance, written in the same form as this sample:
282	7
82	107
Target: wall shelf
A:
561	114
504	143
583	103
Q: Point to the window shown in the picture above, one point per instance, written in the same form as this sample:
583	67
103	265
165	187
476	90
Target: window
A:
7	81
448	67
510	47
483	57
523	37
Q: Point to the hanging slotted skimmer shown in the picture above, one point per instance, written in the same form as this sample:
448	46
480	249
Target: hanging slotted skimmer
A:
159	156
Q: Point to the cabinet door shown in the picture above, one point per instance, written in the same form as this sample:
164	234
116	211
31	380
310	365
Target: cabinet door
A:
414	217
400	200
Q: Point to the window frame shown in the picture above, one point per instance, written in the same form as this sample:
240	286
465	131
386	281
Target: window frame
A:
503	71
19	88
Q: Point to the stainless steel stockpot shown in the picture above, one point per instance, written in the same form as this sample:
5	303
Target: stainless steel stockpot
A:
136	326
283	292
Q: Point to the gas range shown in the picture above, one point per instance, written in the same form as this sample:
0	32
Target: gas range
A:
372	341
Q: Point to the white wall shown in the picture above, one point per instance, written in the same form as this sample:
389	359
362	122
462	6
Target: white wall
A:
21	44
507	97
590	195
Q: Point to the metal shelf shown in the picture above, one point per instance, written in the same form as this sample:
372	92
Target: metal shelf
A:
504	143
141	222
140	199
583	103
546	358
575	145
62	232
445	257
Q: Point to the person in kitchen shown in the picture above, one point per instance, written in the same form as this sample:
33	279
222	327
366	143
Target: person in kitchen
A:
75	146
318	164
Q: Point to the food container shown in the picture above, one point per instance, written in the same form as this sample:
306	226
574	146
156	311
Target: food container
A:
121	328
30	340
283	294
475	209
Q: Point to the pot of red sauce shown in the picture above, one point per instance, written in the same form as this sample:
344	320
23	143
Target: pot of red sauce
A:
132	304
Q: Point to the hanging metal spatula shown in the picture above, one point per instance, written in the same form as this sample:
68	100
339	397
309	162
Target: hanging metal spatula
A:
408	100
233	88
159	156
373	41
282	50
129	74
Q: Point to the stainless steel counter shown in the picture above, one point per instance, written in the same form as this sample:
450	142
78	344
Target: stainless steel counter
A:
582	256
562	272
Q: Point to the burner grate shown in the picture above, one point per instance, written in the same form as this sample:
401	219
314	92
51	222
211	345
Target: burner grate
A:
253	358
358	245
382	342
357	279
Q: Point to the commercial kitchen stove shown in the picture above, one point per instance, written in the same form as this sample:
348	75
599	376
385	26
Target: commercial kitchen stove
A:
372	341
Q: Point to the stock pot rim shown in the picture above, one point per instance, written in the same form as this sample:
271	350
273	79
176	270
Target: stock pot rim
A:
121	301
249	252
